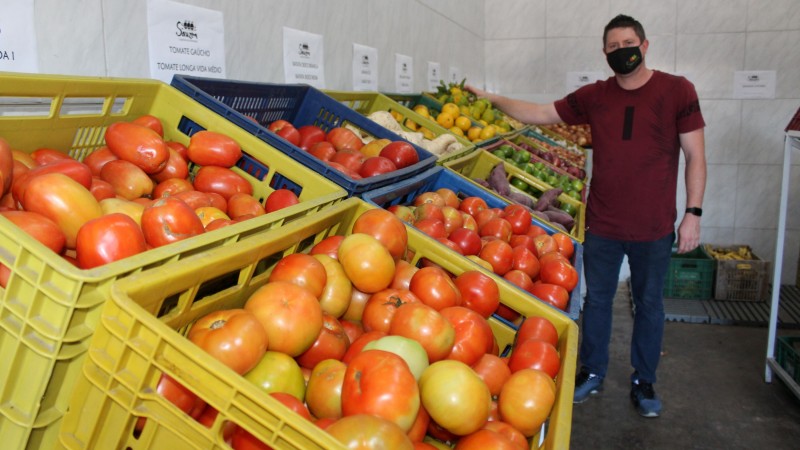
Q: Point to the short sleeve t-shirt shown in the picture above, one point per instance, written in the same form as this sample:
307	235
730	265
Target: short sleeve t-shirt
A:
636	150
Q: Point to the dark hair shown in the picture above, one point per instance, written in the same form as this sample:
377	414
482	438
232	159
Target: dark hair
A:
623	21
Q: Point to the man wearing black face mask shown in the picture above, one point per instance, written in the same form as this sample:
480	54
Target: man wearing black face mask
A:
640	120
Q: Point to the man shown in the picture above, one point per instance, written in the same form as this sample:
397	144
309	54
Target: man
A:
640	120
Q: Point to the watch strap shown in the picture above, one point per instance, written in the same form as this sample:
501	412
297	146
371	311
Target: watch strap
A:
696	211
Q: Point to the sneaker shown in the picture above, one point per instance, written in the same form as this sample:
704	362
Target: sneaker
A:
645	400
586	384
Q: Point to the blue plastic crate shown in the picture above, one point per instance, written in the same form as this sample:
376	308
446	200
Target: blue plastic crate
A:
241	102
404	192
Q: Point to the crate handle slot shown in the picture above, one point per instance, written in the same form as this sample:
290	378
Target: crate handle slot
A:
83	106
26	106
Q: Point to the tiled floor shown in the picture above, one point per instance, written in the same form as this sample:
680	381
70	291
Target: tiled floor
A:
711	380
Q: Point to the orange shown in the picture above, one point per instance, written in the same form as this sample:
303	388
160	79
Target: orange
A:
452	109
445	119
463	123
474	133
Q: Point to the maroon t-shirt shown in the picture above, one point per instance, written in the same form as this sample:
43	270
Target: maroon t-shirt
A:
636	151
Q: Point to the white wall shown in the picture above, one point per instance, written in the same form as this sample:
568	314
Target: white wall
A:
523	48
531	44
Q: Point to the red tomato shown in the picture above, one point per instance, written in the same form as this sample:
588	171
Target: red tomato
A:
525	261
523	240
493	370
171	187
176	168
472	205
322	150
560	272
352	328
449	244
473	334
241	439
352	160
434	288
180	396
219	223
343	138
535	327
180	148
364	431
279	199
137	144
431	197
218	201
235	337
376	165
76	170
324	390
425	325
552	294
303	270
367	263
328	246
380	383
310	135
506	313
98	158
291	315
478	292
519	217
293	403
381	307
497	227
499	254
209	148
432	227
358	345
401	153
152	122
129	181
565	244
39	227
221	180
44	156
402	274
484	439
544	244
467	240
241	204
62	200
514	435
169	220
285	130
526	400
107	239
455	397
331	343
420	427
387	228
535	354
194	199
519	278
101	189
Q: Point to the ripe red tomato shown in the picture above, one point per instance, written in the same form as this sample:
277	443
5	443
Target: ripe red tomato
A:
367	263
328	246
514	435
343	138
387	228
525	260
425	325
293	403
544	244
291	315
39	227
419	428
434	288
218	201
376	165
473	334
523	240
129	181
478	292
560	272
101	189
172	187
499	254
150	121
285	130
194	199
310	135
552	294
380	383
497	227
322	150
526	400
472	205
381	307
221	180
241	204
467	240
519	217
180	148
331	343
98	158
401	153
76	170
279	199
180	396
358	345
535	354
176	167
484	439
352	328
169	220
352	160
431	197
369	431
235	337
493	370
303	270
6	167
519	278
402	274
137	144
209	148
535	327
107	239
44	156
565	245
432	227
324	390
241	439
62	200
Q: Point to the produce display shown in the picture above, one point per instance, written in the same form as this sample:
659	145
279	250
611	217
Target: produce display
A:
569	160
540	169
465	114
579	134
442	145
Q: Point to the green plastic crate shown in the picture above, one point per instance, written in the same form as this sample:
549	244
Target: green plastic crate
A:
140	336
50	308
787	354
690	275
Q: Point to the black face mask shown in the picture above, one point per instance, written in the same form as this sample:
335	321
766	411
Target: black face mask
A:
624	60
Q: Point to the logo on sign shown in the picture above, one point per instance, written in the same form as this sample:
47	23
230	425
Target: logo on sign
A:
304	50
404	67
583	79
365	60
186	30
752	78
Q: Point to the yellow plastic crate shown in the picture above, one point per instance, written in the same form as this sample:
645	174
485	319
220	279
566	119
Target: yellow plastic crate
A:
140	336
480	164
368	102
50	308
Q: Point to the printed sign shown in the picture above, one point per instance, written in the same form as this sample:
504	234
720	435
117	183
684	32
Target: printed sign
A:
18	37
403	73
365	68
184	39
754	84
303	60
455	75
434	75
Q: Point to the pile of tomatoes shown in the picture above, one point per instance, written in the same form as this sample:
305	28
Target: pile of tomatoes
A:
130	195
371	348
344	150
504	241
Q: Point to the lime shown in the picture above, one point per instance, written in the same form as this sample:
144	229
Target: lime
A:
522	157
569	208
499	153
519	184
575	194
577	185
530	168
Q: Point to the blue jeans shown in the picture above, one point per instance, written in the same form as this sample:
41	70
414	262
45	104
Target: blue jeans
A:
649	262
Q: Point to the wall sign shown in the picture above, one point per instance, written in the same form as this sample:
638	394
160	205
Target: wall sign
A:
403	73
184	39
18	51
434	75
365	68
455	75
303	58
754	84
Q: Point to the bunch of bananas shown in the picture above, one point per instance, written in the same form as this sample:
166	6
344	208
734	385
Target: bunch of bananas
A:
741	253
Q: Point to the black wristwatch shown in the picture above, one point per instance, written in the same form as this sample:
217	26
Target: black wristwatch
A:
696	211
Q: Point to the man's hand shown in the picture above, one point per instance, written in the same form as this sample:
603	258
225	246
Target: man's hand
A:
688	233
478	92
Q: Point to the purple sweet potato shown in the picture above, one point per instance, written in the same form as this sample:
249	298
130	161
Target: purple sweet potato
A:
520	198
557	216
482	182
548	198
498	179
